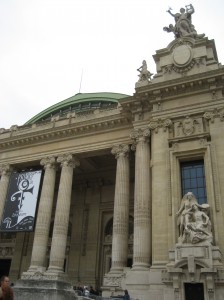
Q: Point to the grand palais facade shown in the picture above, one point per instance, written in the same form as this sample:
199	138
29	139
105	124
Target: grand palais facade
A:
127	191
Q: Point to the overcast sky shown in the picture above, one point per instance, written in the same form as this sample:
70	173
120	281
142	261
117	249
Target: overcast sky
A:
47	46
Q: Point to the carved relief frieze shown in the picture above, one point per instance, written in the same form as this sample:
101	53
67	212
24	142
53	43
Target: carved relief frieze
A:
188	126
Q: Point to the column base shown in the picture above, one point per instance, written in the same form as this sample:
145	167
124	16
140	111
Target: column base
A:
41	274
116	270
140	266
36	269
43	289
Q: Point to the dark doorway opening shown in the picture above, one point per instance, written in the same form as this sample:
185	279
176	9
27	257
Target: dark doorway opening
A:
194	291
5	266
129	262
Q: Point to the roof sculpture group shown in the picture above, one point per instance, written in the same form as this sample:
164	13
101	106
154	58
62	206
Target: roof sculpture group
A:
183	25
183	28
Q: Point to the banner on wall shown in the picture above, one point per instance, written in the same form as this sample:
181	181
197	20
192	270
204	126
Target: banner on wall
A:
21	201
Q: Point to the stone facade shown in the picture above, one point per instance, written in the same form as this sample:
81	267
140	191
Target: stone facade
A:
112	187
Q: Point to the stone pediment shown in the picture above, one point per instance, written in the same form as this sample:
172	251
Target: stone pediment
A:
185	56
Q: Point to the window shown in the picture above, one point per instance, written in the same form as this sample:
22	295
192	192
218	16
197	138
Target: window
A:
193	179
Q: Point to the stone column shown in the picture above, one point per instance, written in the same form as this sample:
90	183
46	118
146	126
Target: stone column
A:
61	221
142	206
161	202
121	209
44	216
5	171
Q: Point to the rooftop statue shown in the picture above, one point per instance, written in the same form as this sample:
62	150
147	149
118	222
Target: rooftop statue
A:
183	25
194	222
144	75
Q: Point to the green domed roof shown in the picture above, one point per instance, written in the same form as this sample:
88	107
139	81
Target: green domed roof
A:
79	102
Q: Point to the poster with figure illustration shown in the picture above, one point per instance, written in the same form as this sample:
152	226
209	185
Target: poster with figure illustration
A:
21	201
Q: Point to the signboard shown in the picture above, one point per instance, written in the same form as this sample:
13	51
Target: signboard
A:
21	201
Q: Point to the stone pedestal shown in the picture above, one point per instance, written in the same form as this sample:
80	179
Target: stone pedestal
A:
190	263
43	289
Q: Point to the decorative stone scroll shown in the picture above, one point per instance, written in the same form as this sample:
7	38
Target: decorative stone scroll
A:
193	221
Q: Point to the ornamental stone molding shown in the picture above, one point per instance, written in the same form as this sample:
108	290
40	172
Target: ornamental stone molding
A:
120	150
160	123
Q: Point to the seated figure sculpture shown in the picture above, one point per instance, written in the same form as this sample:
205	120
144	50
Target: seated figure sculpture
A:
194	222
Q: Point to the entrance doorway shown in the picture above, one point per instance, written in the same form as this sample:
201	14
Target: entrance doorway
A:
194	291
5	266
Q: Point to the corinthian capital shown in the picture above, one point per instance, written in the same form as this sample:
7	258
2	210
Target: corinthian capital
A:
68	160
120	150
48	162
215	113
160	123
140	134
5	169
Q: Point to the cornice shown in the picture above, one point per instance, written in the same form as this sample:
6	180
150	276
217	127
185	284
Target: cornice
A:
61	129
208	81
